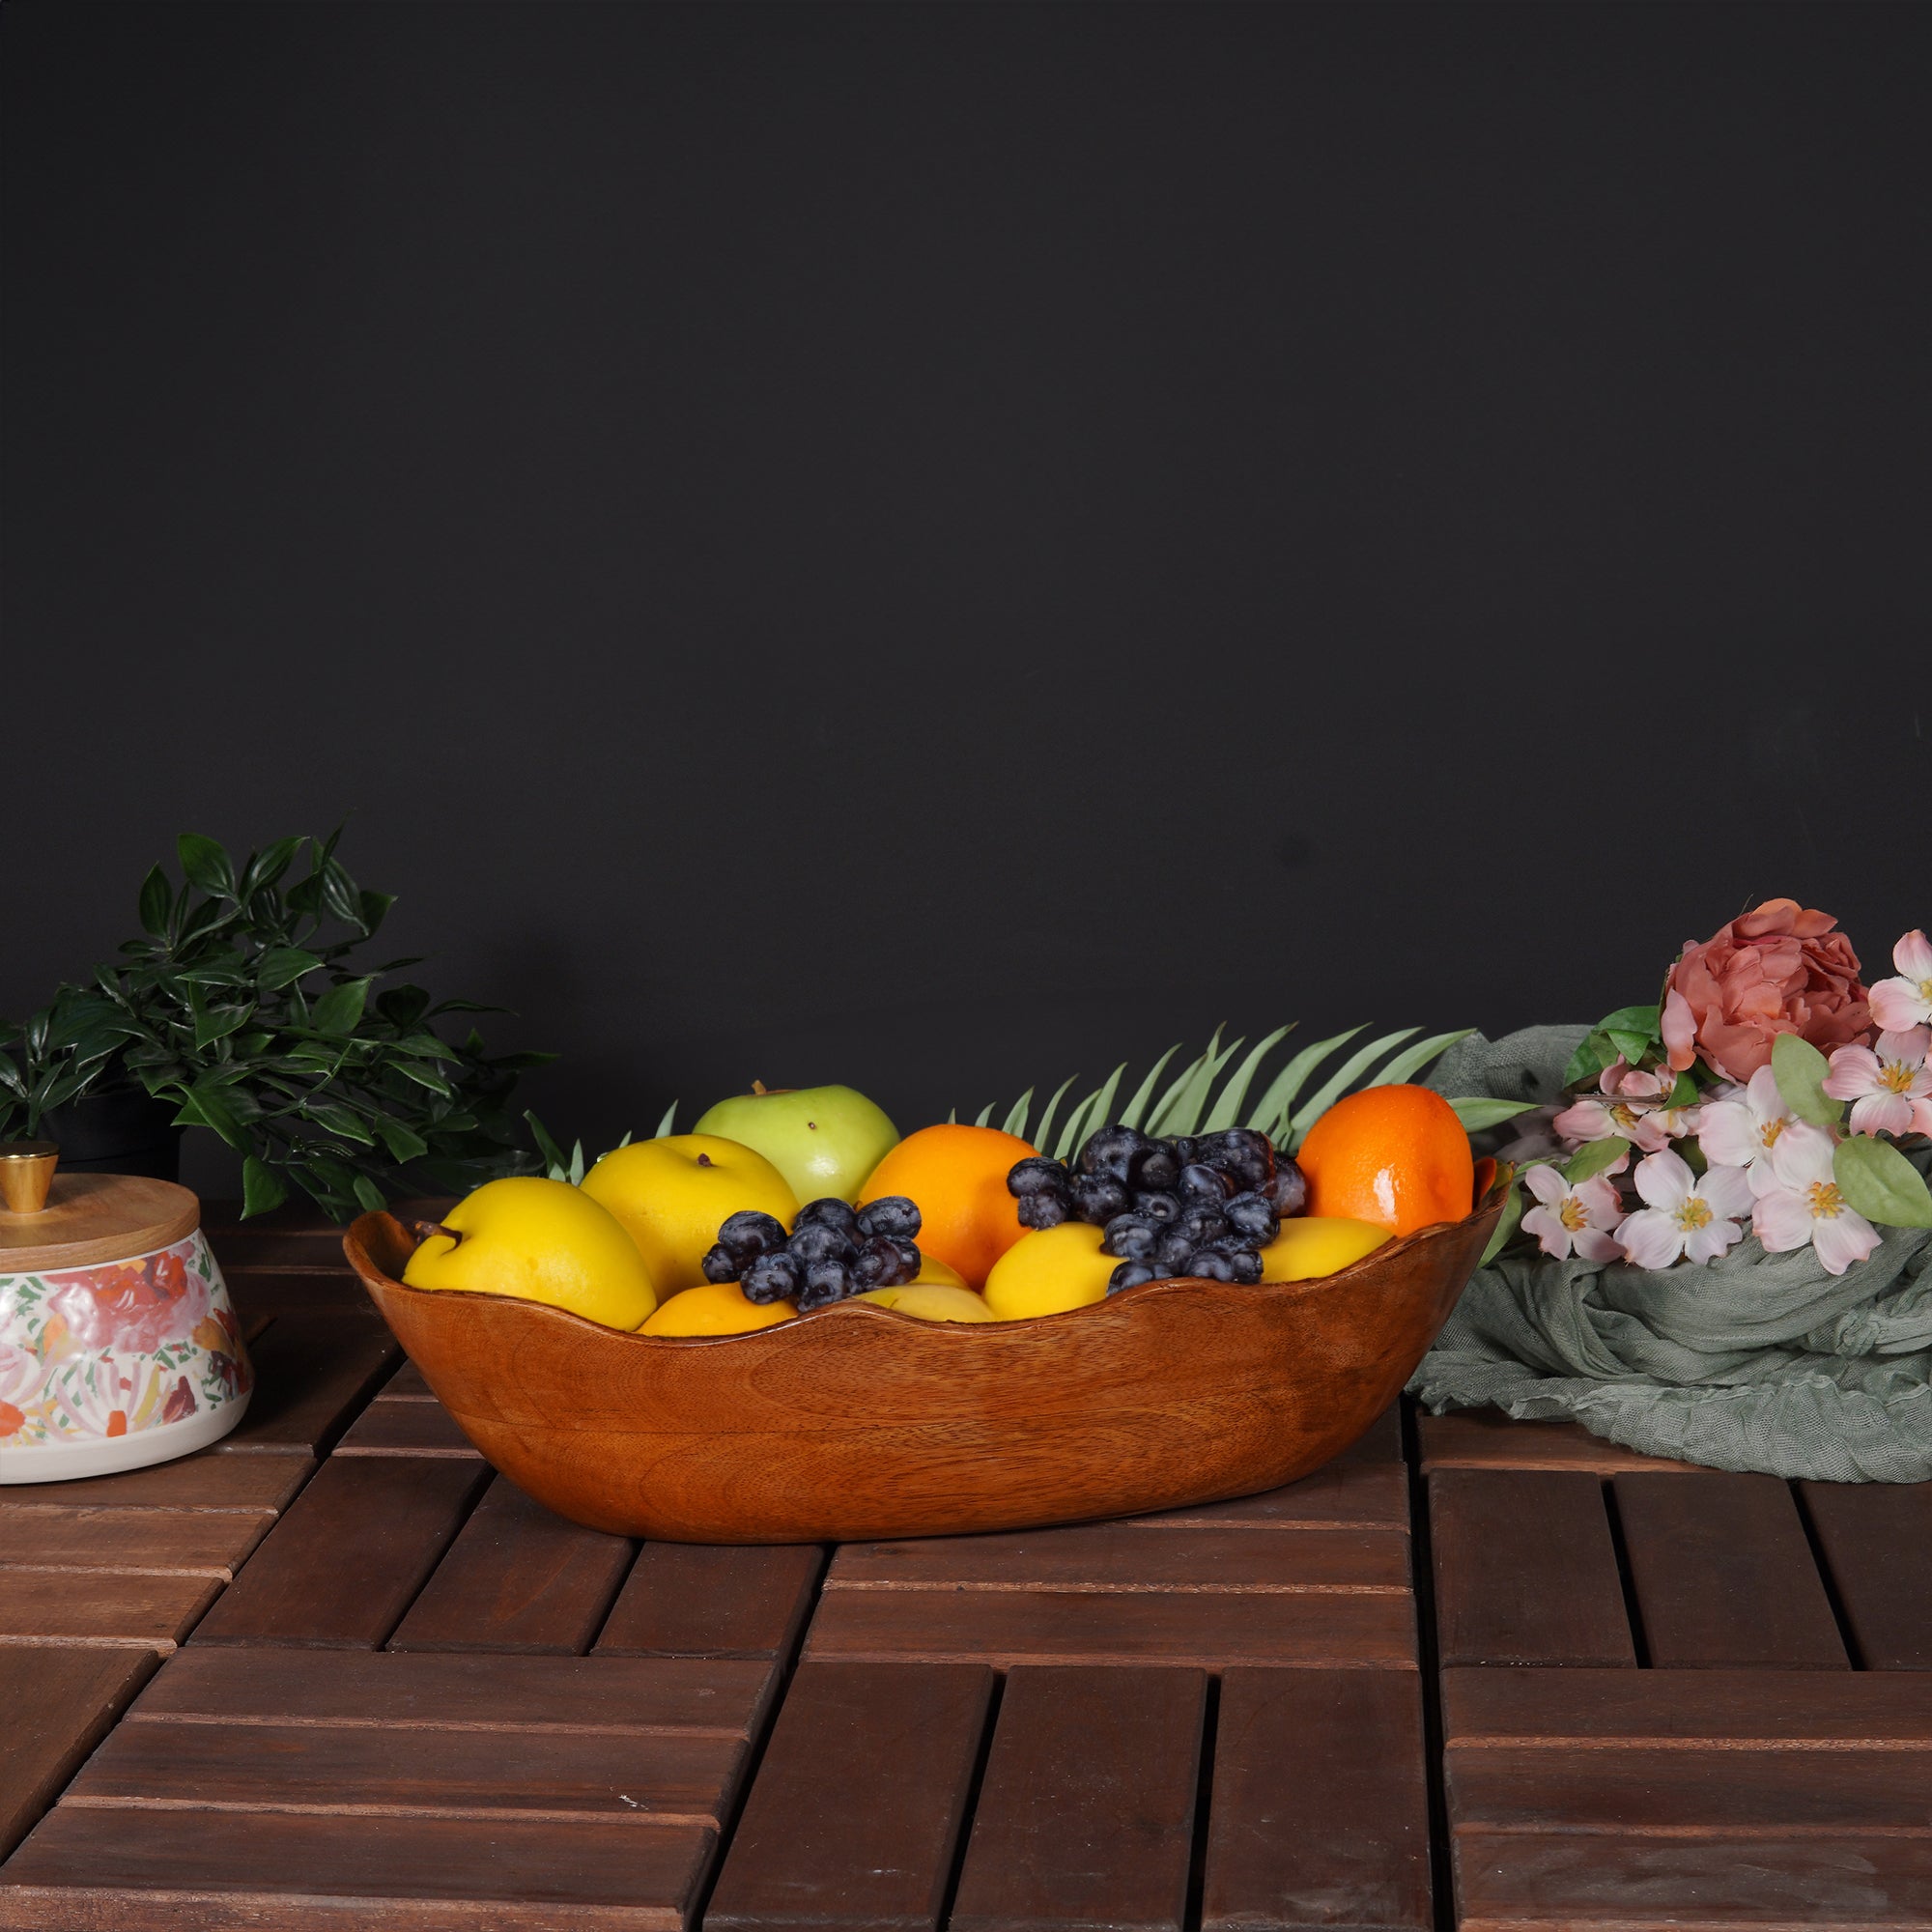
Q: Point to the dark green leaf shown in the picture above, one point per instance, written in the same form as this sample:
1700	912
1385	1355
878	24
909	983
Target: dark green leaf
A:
425	1076
282	966
158	899
268	870
553	1153
339	1011
403	1006
204	863
372	1197
1800	1070
207	1104
339	1121
219	1023
1591	1055
404	1145
338	894
373	908
262	1188
1879	1182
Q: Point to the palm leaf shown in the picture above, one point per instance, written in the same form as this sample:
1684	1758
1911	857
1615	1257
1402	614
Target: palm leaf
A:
1090	1114
1227	1109
1184	1116
1339	1082
664	1125
1044	1125
1182	1081
1016	1119
1135	1111
985	1119
1273	1112
1411	1060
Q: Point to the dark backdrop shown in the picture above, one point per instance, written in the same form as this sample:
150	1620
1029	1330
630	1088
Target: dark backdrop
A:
941	547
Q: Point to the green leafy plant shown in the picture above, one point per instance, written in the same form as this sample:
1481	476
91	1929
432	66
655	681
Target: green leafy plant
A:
242	1007
1206	1097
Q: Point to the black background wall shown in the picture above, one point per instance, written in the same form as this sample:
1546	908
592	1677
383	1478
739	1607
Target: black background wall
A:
941	547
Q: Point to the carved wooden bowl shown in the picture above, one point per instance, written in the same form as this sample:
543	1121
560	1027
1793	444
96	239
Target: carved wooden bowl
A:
858	1422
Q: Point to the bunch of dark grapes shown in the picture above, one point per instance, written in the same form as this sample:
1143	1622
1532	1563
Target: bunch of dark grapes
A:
834	1250
1200	1204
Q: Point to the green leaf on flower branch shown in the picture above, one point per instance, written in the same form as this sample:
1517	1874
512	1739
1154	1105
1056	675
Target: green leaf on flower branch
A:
1632	1045
262	1188
1881	1184
1477	1111
1799	1070
1684	1093
1594	1158
1591	1055
340	1009
158	900
1506	1223
1643	1021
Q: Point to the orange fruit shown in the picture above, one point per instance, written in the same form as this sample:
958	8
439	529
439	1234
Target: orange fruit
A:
958	1176
1394	1155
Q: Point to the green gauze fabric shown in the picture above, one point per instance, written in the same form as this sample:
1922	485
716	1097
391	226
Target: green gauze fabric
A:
1756	1362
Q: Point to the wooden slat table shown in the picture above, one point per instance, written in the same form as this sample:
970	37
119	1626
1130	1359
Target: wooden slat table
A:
335	1672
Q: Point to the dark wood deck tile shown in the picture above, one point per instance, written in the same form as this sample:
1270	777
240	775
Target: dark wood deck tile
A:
1485	1439
1525	1569
1321	1804
1723	1573
519	1578
343	1564
1343	1495
856	1812
696	1600
204	1481
56	1703
312	1373
206	1542
102	1605
1085	1814
401	1427
1877	1541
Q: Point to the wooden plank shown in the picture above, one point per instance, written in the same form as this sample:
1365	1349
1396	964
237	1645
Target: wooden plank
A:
406	1384
1204	1628
693	1599
1584	1882
88	1870
1526	1570
203	1481
1343	1496
1723	1574
857	1808
1877	1542
294	1250
341	1567
1321	1807
518	1577
1740	1708
312	1373
1687	1791
1110	1556
56	1703
1379	1443
206	1542
1485	1439
683	1777
1085	1814
404	1428
263	1294
724	1696
102	1605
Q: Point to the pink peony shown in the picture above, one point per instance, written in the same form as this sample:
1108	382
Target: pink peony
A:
133	1305
1781	969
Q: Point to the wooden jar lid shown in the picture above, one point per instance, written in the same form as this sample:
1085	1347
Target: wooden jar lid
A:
96	1217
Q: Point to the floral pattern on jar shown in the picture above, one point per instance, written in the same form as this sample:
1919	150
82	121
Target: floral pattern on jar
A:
92	1352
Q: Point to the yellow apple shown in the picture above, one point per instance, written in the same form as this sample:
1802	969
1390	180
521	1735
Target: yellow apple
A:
715	1308
1318	1244
932	1302
673	1195
1048	1272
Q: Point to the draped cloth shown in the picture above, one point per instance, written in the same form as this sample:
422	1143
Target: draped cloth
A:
1757	1361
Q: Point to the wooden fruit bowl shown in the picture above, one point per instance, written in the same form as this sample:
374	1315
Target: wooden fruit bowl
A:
858	1422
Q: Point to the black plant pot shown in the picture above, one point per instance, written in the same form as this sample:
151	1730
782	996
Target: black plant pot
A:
116	1130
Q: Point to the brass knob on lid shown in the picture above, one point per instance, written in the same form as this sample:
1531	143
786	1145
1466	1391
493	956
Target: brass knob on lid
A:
26	1175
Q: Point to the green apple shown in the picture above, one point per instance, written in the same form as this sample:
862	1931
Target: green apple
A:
824	1140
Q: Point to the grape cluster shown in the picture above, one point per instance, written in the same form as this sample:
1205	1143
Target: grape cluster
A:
834	1250
1197	1204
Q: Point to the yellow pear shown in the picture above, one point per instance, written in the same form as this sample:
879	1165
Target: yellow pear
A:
932	1302
675	1194
933	1273
715	1308
1318	1244
1050	1270
543	1240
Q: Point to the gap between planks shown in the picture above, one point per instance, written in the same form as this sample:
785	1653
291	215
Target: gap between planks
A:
289	1809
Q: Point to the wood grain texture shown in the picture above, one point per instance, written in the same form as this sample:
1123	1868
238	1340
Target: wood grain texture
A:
1342	1496
518	1578
102	1605
56	1703
855	1422
207	1542
1575	1882
385	1688
96	1217
1320	1804
1114	1556
1086	1814
343	1564
313	1373
115	1869
858	1806
1723	1573
689	1599
404	1427
1745	1707
1204	1629
1877	1542
1485	1439
1526	1570
204	1481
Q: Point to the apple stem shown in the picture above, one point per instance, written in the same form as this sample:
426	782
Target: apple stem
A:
759	1087
425	1229
704	1160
